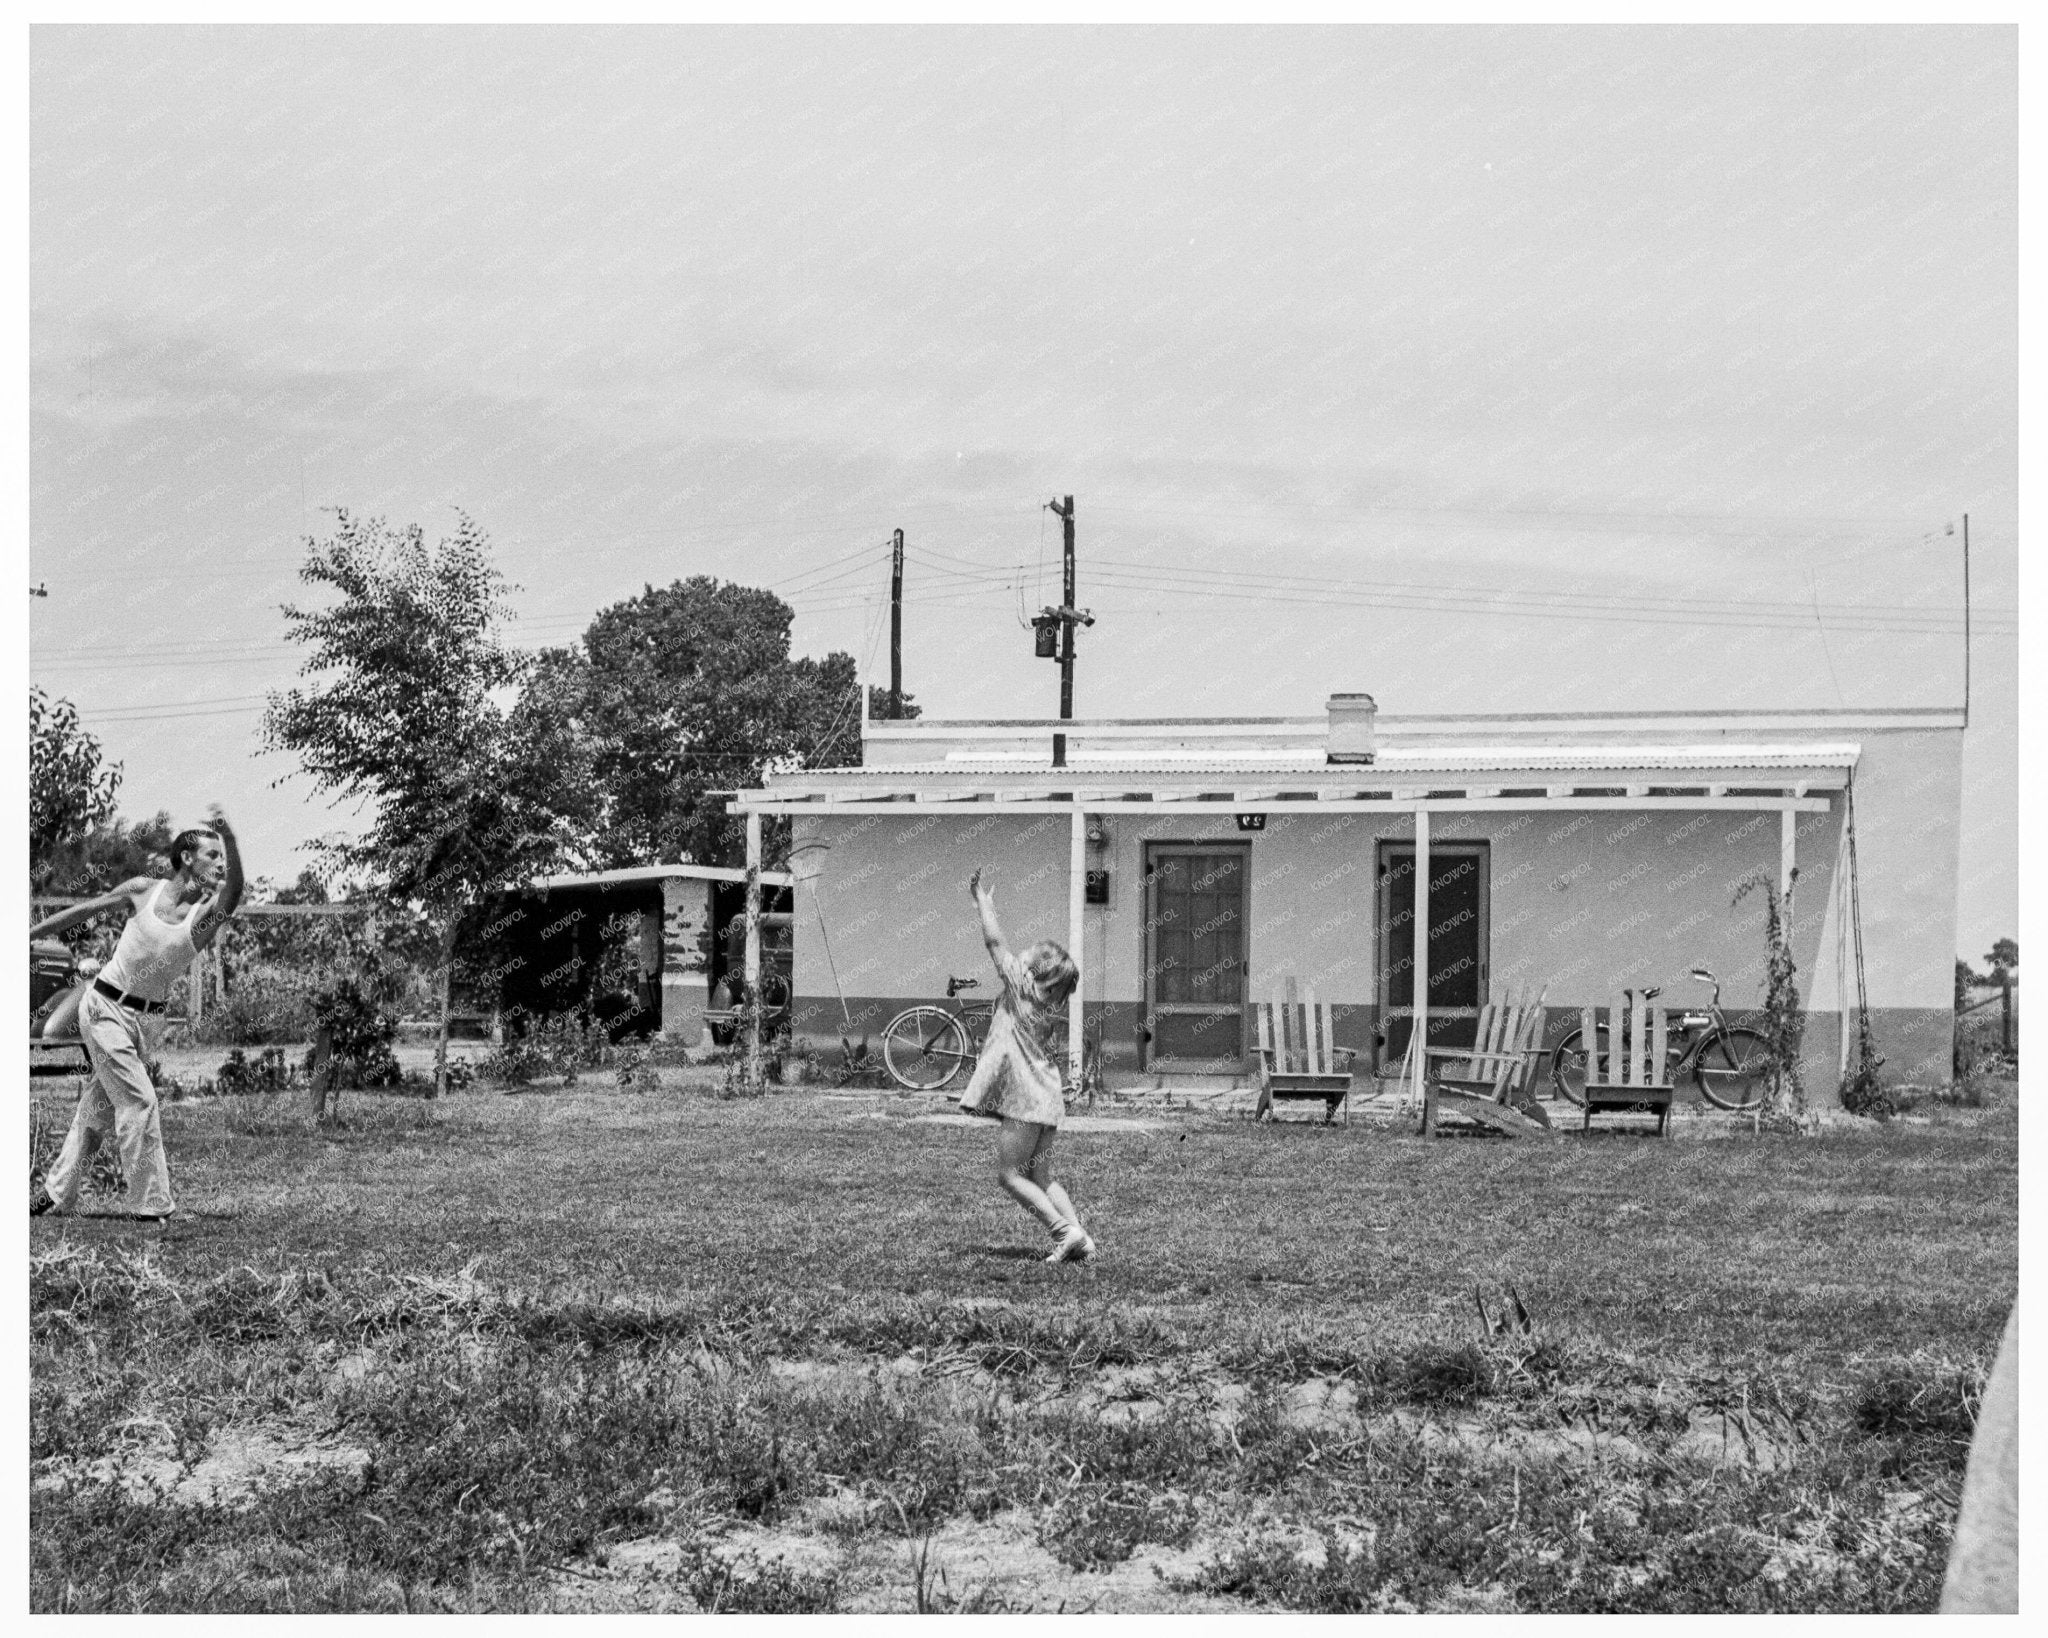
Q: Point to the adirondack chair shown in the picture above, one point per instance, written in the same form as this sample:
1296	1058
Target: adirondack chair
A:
1298	1055
1493	1081
1632	1073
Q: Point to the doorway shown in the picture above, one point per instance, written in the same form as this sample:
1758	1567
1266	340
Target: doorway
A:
1196	955
1459	914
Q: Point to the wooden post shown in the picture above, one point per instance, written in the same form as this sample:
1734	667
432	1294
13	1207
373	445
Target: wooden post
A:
1841	908
896	629
753	959
1421	943
1788	841
2005	1019
1077	896
441	1028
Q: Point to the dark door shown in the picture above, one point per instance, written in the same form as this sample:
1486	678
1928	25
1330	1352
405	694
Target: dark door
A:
1195	954
1458	904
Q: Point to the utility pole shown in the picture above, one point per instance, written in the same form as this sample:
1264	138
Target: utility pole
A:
1065	617
896	631
1966	619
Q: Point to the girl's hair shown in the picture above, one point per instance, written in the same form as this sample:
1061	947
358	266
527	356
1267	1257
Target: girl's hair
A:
1052	970
186	843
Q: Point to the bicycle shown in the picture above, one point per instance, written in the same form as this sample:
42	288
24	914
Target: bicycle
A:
925	1047
1727	1064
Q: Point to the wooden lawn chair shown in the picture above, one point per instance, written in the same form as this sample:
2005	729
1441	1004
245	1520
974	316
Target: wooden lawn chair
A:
1633	1074
1298	1054
1493	1081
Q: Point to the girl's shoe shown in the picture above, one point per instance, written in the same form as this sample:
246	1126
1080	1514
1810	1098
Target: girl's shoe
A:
1073	1245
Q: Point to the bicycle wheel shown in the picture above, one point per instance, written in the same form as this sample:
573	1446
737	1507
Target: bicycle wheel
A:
1732	1070
1568	1066
924	1047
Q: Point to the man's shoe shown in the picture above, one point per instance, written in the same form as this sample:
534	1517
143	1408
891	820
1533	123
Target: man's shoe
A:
1072	1238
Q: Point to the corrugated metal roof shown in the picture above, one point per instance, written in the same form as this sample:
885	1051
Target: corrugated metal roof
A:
1504	760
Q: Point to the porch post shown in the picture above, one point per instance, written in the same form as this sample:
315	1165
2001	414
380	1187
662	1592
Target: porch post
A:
1077	896
1839	893
1788	833
753	959
1421	951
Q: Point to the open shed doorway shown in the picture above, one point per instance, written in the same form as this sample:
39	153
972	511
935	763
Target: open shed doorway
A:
1460	908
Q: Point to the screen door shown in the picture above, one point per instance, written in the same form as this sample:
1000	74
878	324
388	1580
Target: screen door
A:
1458	914
1196	956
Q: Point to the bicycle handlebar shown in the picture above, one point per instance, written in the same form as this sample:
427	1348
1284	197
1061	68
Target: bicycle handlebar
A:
955	985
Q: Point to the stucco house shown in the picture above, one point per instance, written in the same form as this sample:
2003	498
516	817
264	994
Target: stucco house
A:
1193	864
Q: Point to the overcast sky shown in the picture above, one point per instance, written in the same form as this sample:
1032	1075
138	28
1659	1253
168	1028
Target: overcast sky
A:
1523	369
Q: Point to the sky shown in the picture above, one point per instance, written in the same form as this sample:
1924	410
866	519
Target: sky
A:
1479	369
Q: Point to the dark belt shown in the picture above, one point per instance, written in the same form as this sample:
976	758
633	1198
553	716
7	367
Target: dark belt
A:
134	1003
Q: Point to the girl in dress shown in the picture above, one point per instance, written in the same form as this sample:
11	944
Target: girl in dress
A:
1018	1080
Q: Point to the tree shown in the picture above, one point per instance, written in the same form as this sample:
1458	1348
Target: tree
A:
308	889
2004	956
416	712
878	709
71	788
689	690
106	854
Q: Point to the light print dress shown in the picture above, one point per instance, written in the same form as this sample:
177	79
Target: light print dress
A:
1018	1077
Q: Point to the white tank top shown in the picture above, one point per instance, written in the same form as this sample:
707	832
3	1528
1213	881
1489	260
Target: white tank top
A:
152	951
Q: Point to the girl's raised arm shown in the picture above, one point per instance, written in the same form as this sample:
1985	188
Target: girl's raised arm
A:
991	930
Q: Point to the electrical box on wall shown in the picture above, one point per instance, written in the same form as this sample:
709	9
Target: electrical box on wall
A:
1095	887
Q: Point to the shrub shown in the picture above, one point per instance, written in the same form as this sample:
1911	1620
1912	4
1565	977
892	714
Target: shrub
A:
359	1028
265	1005
539	1047
271	1072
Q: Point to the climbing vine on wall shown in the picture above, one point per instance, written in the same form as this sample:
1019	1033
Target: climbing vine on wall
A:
1784	1025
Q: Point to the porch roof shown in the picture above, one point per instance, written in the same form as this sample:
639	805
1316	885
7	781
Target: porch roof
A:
1398	779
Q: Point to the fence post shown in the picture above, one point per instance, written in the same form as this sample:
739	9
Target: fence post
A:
2005	1018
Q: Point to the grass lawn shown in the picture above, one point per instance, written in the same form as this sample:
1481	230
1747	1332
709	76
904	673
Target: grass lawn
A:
658	1349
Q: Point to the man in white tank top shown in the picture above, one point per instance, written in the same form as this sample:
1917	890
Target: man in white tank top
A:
169	922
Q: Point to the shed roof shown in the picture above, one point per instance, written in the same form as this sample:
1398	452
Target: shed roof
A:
662	872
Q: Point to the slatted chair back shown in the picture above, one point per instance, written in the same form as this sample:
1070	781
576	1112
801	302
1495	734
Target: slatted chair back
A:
1638	1036
1503	1029
1298	1031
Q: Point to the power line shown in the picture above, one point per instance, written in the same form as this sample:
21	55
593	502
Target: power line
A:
1423	596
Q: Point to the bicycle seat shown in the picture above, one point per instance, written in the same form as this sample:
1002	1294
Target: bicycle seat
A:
955	985
1652	992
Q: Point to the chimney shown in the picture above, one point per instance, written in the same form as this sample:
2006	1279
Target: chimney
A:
1351	721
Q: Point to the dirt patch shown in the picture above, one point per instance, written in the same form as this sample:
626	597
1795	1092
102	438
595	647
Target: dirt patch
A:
989	1565
1072	1123
241	1462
